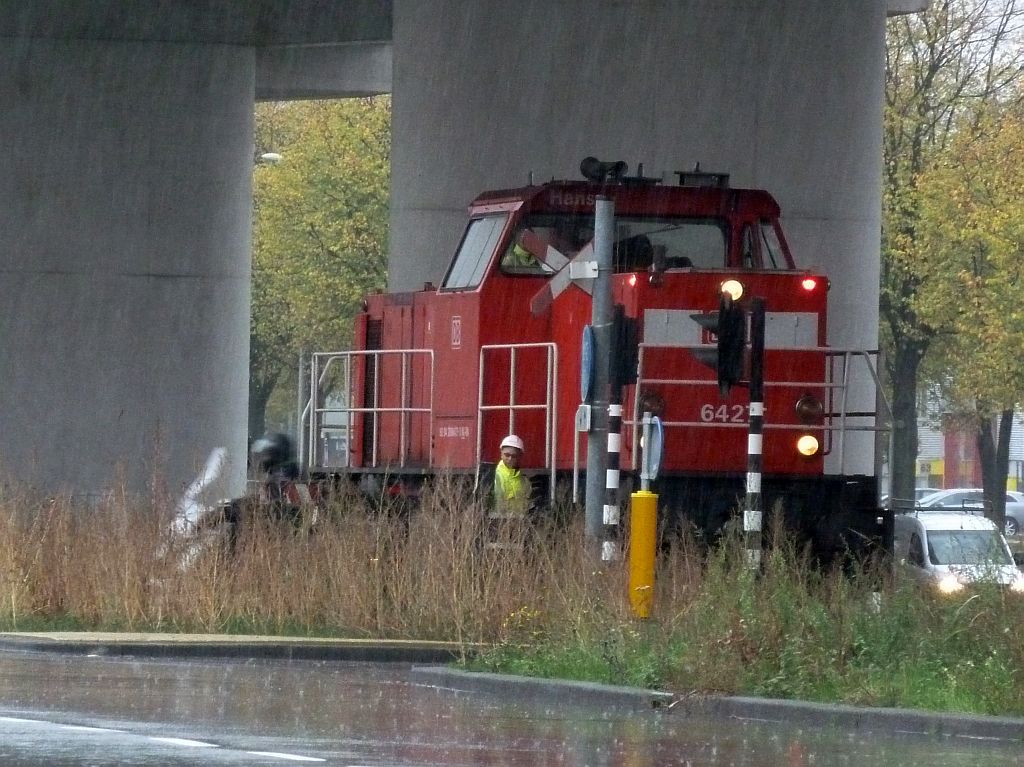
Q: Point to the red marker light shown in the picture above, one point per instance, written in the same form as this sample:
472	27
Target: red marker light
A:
632	280
809	283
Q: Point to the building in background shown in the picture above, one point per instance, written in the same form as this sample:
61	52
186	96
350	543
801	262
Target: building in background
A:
948	455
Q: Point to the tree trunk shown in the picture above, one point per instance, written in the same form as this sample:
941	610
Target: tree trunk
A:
259	395
994	452
903	458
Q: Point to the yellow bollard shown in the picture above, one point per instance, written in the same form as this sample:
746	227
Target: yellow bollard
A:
643	527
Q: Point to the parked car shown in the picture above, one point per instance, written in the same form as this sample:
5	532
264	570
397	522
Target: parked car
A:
919	493
950	550
973	499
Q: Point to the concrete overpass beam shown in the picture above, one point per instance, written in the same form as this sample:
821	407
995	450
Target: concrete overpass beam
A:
323	71
900	7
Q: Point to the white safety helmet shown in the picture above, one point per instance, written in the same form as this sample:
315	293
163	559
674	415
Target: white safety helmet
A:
513	441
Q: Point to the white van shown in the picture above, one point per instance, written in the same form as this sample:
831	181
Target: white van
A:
952	549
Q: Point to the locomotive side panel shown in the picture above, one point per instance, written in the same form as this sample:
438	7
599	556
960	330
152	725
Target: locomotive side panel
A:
390	398
455	341
421	384
356	393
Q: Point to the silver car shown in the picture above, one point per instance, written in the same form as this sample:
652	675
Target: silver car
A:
951	550
919	493
973	499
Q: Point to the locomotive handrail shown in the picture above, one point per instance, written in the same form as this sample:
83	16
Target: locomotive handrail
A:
774	426
321	364
832	386
844	411
772	384
548	406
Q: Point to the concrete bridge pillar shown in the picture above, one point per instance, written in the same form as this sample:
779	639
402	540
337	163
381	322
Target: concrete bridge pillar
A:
784	95
124	254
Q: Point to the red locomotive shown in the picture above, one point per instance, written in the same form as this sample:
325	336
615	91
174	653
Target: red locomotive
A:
439	376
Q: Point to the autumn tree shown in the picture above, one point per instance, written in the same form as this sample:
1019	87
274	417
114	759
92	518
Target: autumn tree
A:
943	67
320	235
972	227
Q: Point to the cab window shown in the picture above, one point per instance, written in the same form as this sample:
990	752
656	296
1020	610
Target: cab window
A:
639	243
528	250
772	255
474	253
674	243
748	247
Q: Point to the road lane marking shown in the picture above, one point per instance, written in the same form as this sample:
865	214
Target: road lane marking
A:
290	757
185	742
76	727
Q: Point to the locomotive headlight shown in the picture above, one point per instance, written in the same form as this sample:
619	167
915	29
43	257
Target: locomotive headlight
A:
809	409
807	445
734	288
809	283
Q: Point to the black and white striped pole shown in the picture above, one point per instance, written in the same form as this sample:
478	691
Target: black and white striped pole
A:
610	539
753	514
622	371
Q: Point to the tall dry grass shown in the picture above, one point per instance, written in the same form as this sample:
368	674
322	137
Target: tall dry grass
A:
386	571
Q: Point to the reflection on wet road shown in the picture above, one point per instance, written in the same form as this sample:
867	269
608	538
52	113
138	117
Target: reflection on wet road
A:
60	710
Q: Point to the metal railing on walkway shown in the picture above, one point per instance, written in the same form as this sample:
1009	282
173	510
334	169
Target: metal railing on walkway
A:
323	365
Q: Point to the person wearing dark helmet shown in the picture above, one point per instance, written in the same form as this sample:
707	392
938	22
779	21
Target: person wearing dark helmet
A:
272	465
511	488
273	459
271	452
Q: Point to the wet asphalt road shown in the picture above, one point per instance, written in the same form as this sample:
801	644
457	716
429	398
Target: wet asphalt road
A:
58	710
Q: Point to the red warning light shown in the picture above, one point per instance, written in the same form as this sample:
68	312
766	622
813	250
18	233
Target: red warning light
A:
809	283
632	280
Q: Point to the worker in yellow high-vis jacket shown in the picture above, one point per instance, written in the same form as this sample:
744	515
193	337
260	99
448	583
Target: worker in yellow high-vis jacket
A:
511	487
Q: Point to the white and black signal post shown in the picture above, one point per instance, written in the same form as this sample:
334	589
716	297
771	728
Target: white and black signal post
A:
729	326
753	514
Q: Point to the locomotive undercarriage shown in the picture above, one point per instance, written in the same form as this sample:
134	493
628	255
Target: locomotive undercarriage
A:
836	518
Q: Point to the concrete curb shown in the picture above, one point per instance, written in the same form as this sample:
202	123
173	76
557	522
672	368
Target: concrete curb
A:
885	721
549	690
233	647
888	721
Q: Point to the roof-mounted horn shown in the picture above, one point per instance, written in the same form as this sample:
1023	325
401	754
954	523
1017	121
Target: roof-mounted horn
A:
598	172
